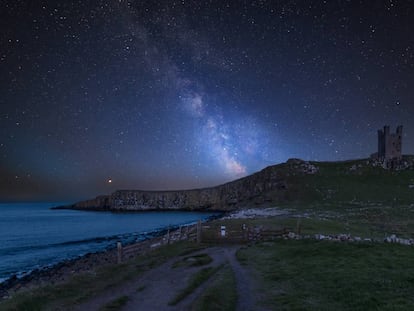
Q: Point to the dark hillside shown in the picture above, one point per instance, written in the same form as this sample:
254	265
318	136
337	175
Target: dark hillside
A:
296	181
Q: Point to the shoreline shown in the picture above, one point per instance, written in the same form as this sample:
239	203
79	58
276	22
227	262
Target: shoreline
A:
83	264
133	211
57	273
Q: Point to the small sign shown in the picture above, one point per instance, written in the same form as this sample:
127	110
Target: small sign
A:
223	231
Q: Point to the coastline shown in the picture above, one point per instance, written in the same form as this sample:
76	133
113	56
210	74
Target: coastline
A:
87	263
133	211
57	273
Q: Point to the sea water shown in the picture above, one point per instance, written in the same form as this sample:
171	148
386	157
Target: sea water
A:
34	236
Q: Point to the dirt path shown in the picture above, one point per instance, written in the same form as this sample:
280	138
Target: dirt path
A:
162	285
154	289
245	299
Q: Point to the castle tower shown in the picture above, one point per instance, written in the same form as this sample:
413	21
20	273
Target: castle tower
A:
389	144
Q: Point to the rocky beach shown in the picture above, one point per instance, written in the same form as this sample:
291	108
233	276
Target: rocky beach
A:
85	264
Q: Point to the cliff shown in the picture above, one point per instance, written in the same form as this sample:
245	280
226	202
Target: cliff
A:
294	182
269	185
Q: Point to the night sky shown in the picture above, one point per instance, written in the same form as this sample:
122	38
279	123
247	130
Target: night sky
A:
103	95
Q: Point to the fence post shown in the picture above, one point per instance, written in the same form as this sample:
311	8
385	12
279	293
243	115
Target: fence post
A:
119	247
199	232
298	227
245	233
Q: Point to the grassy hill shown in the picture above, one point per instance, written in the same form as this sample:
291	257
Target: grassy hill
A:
349	181
293	182
351	196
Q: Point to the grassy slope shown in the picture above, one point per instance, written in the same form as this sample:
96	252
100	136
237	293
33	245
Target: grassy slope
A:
312	275
336	182
368	201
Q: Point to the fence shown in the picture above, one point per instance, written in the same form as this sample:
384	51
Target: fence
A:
202	233
188	233
240	235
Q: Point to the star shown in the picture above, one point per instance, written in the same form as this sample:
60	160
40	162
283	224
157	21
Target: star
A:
168	96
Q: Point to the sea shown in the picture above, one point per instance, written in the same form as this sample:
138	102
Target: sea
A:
33	236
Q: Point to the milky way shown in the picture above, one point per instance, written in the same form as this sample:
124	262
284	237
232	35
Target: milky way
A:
186	94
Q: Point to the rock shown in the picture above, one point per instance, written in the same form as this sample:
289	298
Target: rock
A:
155	245
320	237
405	241
291	235
344	237
268	185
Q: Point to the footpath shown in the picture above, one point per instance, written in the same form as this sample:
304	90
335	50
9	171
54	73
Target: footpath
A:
154	289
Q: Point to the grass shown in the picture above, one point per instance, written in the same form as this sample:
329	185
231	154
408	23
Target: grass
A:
367	220
83	286
193	261
196	280
221	295
74	291
115	304
336	182
309	226
355	180
342	197
320	275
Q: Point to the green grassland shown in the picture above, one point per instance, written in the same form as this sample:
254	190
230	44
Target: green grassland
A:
349	182
347	197
324	275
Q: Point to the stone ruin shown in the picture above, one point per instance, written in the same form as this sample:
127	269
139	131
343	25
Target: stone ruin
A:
389	153
389	145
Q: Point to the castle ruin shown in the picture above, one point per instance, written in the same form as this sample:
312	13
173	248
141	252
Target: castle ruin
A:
389	144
